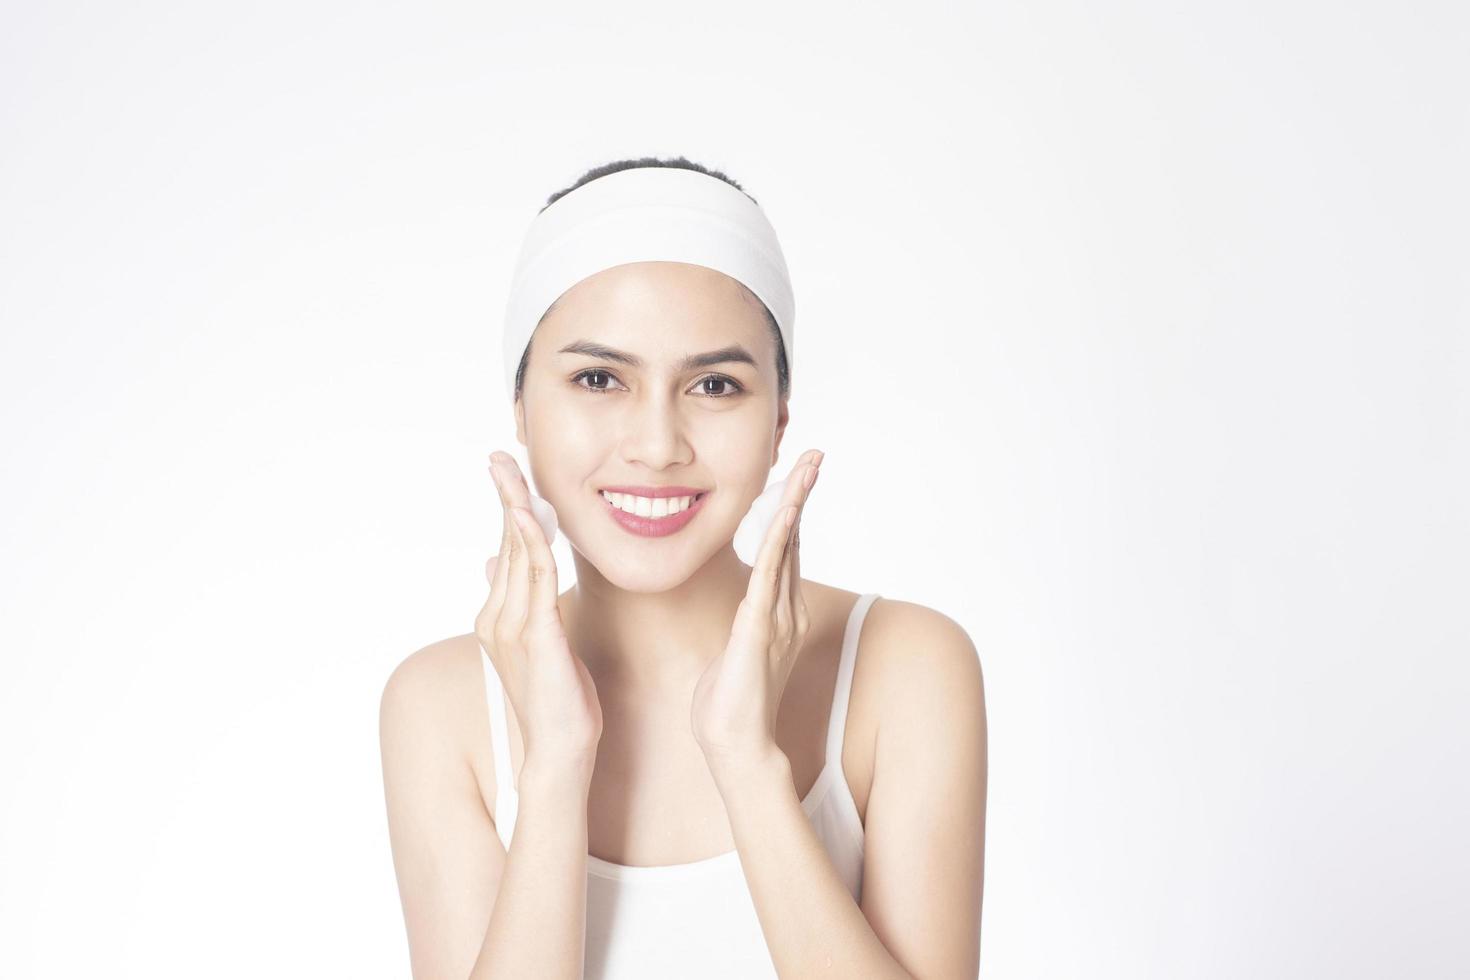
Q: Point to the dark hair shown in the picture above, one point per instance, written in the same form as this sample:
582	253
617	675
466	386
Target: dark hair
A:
783	371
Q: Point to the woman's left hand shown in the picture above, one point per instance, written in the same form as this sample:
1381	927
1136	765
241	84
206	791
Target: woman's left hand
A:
733	713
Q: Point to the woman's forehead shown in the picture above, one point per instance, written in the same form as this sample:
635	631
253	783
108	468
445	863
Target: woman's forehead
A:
671	305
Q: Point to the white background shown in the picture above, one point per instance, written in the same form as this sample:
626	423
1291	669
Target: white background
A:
1136	336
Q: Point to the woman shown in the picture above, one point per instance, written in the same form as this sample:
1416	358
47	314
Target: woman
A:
599	782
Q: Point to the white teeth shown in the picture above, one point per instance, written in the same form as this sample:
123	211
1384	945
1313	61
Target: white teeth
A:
647	506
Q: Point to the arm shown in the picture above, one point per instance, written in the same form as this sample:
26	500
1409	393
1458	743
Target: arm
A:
923	871
812	926
471	909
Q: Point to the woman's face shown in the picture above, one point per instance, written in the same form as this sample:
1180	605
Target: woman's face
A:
634	414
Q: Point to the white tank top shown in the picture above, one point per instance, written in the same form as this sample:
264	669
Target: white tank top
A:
696	919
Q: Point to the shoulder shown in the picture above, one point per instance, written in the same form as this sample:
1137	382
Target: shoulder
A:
429	673
907	634
426	698
926	808
925	664
446	855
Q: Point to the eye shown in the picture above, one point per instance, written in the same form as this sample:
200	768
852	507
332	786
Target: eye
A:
590	373
732	387
721	379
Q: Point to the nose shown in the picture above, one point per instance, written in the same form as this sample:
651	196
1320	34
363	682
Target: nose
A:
653	434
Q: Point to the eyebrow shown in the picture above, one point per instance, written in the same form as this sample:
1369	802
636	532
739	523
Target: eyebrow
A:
725	355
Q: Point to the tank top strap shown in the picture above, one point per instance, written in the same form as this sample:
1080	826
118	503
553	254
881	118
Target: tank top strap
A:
505	790
846	665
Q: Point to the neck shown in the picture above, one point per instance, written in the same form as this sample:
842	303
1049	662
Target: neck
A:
654	645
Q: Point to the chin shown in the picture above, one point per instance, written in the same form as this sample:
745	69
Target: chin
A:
636	565
633	574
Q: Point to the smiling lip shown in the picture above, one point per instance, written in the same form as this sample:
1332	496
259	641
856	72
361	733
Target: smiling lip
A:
656	491
654	527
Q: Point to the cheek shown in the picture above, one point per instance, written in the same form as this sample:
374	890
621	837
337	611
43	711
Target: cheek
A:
563	458
740	489
738	458
741	441
559	430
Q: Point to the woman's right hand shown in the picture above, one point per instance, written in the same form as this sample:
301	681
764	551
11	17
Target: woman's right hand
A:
520	628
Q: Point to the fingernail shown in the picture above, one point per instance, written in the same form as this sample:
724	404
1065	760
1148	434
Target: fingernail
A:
820	456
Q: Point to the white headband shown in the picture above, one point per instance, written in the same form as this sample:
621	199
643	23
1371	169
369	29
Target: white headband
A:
644	214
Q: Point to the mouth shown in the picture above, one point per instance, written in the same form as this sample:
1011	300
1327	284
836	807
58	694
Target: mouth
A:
653	516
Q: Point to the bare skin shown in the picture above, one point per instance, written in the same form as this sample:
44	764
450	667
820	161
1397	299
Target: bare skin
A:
648	614
645	619
648	766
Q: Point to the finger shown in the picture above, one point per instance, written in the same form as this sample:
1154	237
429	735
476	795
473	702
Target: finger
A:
798	489
799	485
517	490
518	493
490	564
502	559
765	577
518	585
512	486
792	603
540	570
797	602
783	589
807	481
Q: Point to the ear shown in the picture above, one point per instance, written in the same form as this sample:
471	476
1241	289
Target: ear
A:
521	420
782	417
